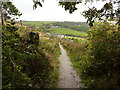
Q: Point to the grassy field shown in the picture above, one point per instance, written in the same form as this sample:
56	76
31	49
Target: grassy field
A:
37	22
65	28
67	31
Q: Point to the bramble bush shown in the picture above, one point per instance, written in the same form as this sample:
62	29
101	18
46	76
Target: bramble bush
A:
104	50
25	65
13	59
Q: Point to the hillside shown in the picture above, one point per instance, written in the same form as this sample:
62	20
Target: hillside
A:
79	26
67	32
78	29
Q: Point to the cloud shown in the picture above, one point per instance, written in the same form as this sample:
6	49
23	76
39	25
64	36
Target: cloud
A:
50	11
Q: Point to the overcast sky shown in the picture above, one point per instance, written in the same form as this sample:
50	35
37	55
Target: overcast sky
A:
51	11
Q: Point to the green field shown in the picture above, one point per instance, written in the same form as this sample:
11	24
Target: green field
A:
75	29
67	31
37	22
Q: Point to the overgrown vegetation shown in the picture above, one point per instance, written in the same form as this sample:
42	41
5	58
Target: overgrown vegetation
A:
104	46
98	61
51	49
25	64
28	63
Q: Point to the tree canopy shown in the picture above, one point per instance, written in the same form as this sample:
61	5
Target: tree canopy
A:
8	11
107	12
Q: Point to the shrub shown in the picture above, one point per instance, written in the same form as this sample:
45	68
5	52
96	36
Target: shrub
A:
24	64
104	47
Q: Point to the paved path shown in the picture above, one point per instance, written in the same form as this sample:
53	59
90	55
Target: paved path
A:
68	76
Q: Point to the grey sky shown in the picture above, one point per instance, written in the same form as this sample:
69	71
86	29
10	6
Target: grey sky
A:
51	11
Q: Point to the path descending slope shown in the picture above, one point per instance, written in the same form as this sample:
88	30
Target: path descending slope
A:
68	75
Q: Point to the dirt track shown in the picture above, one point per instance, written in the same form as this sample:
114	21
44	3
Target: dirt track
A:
68	76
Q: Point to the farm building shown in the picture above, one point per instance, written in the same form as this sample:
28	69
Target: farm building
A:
62	36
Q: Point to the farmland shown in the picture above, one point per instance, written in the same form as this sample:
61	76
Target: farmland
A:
67	31
76	29
36	22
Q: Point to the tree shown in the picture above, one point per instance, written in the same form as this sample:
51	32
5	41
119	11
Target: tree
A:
107	12
2	21
8	11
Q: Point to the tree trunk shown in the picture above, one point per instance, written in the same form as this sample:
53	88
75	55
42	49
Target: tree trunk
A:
2	17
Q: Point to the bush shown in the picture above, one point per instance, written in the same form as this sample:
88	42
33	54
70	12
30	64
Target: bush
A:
104	47
24	64
98	61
